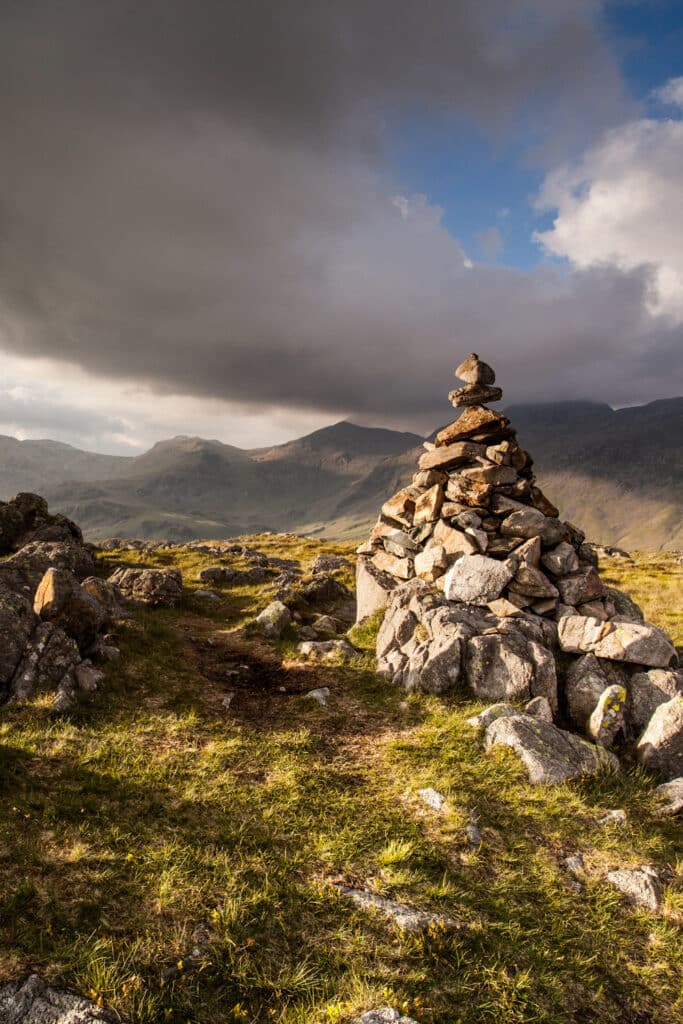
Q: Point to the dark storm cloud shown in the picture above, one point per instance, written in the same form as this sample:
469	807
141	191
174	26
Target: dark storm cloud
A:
194	195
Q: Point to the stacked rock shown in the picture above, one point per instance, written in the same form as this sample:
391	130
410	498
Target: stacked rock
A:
475	495
483	583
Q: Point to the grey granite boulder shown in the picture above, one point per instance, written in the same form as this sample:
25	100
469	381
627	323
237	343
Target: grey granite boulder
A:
670	796
59	598
510	667
156	588
273	620
584	682
549	754
477	579
49	656
441	668
373	589
647	690
620	641
34	1002
660	748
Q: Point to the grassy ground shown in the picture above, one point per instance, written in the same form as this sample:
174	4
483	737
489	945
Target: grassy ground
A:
155	822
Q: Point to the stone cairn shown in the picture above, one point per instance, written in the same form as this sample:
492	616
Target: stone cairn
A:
484	585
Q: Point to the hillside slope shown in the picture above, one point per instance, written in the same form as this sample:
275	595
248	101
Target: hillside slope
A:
617	474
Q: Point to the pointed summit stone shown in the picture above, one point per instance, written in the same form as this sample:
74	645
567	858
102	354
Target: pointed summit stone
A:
473	371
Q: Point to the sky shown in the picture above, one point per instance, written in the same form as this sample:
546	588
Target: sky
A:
246	221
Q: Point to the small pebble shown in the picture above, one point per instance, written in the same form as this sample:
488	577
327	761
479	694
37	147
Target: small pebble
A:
320	694
432	798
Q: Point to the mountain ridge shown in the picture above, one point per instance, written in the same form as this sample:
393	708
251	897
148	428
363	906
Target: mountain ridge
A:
617	473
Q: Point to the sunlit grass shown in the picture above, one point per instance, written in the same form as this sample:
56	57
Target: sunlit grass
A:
173	861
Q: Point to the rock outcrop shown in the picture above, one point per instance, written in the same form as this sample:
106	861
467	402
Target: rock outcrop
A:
34	1002
53	610
155	588
484	587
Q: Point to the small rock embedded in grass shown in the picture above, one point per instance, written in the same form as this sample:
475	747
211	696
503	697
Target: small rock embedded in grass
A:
573	864
613	817
473	832
273	620
227	700
329	563
207	595
670	795
88	677
408	919
385	1015
326	649
432	798
321	695
640	886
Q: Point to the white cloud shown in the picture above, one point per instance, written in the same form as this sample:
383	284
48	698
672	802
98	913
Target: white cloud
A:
42	398
620	205
672	92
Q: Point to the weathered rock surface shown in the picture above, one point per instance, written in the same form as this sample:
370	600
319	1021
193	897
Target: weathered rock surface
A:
607	718
60	599
647	690
640	886
549	754
660	748
473	371
49	659
373	589
619	641
273	620
476	579
385	1015
25	518
670	795
329	563
432	798
327	649
34	1002
157	588
503	668
406	918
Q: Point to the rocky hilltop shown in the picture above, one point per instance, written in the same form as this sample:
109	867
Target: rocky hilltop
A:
213	807
483	584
